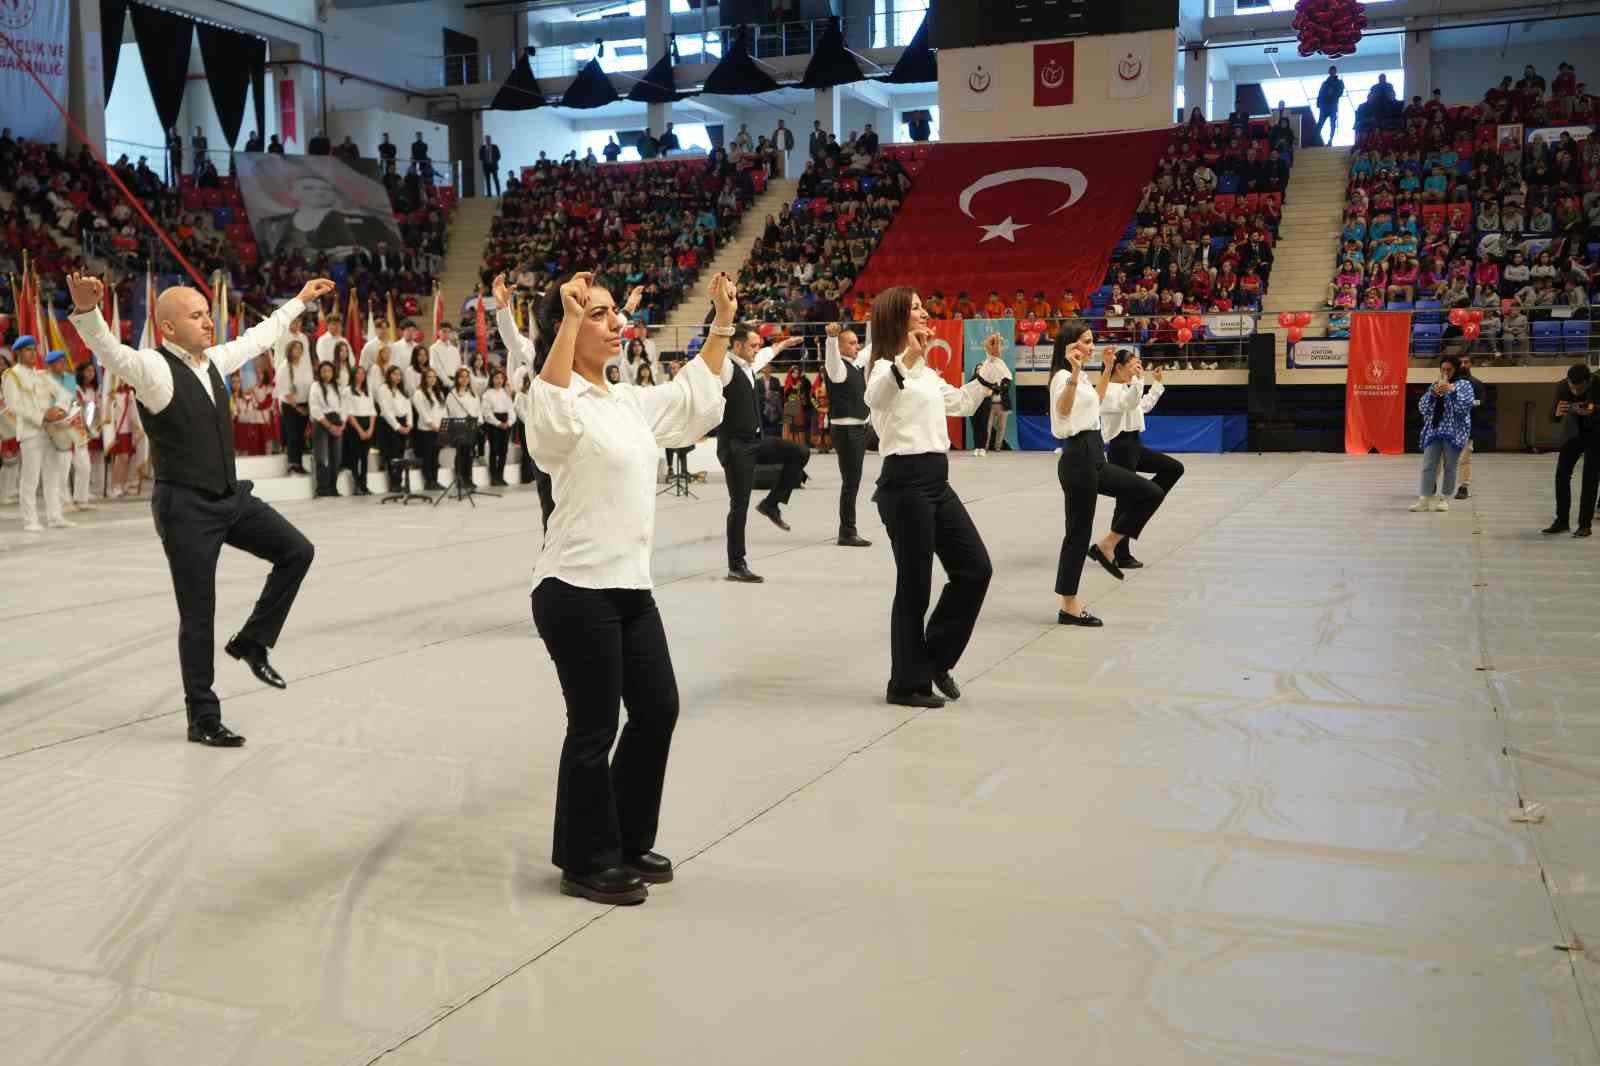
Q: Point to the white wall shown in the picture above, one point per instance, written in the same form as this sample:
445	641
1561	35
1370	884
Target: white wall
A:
522	135
366	127
1464	75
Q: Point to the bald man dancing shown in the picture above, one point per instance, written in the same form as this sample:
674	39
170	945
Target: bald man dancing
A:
199	505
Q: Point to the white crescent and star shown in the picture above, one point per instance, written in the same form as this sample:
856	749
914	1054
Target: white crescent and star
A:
1073	180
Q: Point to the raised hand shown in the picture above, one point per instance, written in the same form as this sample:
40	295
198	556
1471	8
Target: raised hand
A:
635	295
1159	372
314	290
502	292
917	344
1074	360
724	297
832	329
86	292
575	294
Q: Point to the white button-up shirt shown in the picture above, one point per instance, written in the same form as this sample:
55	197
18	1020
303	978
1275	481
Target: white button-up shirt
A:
458	404
446	359
429	411
833	363
497	402
1124	411
911	420
149	373
359	404
600	450
325	346
393	406
1085	413
326	400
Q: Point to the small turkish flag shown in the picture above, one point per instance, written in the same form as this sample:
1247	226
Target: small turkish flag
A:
1052	74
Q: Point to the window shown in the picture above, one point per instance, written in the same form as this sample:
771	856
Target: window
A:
633	10
1302	92
894	29
623	55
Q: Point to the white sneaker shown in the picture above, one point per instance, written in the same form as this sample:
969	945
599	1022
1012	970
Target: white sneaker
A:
33	527
1422	504
62	523
115	494
1441	504
979	452
85	506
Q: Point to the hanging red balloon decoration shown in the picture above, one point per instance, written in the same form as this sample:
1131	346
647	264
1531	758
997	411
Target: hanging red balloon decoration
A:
1332	27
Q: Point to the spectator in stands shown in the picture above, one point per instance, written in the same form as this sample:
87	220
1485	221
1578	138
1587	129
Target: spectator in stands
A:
648	146
1328	97
489	159
254	143
275	146
612	150
669	141
387	153
319	144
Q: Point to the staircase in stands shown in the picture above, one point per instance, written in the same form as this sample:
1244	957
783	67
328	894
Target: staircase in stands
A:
1308	240
730	257
469	232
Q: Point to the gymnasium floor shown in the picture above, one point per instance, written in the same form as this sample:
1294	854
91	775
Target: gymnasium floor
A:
1264	816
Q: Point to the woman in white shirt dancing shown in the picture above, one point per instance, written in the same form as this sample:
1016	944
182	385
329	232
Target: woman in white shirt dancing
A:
592	602
1083	471
1123	426
910	401
989	424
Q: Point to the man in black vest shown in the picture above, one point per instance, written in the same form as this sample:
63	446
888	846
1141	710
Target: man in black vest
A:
741	447
199	504
489	158
846	366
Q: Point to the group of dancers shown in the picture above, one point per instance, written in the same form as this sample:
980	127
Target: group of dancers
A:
596	444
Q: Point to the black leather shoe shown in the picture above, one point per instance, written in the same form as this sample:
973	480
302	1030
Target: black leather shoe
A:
774	514
1581	531
901	698
255	657
1128	562
1100	557
742	573
1083	618
1462	493
648	866
850	540
1555	527
947	685
613	886
213	734
298	469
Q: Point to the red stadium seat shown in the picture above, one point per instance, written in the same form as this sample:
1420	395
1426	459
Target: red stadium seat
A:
1223	204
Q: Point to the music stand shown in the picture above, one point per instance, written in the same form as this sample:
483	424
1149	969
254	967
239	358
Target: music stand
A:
678	485
461	434
400	482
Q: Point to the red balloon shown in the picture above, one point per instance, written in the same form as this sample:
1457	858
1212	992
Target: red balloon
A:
1475	316
1457	316
1184	336
1294	334
767	330
1285	319
1031	337
1470	331
1303	319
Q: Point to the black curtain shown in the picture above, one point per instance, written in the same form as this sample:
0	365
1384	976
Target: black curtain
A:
231	60
164	43
917	63
738	74
830	64
112	15
520	91
657	86
591	88
258	86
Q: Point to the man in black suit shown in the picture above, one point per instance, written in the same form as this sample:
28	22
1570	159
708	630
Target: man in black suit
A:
819	140
741	447
489	158
386	155
1575	409
1328	98
319	144
253	143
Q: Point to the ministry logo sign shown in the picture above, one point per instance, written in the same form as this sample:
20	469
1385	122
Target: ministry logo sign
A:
15	14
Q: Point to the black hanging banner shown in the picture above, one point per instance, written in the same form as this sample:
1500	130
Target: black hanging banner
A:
520	91
591	88
231	60
917	63
830	64
113	13
737	74
657	86
165	40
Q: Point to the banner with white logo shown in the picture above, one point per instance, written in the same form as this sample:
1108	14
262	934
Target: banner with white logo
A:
1319	353
38	30
979	87
1130	67
1230	325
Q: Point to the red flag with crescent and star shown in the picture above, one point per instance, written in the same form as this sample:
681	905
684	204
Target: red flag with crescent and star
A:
1030	215
1052	74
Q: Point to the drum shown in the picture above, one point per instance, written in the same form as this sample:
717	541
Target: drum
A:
69	432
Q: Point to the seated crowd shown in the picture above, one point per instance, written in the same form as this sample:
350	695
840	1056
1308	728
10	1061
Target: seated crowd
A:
1443	213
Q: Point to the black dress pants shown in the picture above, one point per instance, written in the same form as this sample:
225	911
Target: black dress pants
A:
426	444
609	648
499	446
1589	451
193	526
1128	451
924	518
739	459
525	463
1084	474
850	442
356	451
293	426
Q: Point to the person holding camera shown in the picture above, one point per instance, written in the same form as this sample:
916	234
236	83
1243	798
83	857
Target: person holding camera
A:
1446	428
1575	410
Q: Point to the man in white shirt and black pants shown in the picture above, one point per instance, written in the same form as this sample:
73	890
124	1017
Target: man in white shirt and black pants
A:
741	447
846	366
1122	424
199	504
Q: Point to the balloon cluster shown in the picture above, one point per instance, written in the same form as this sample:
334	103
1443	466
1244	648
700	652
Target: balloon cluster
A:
1294	323
1331	27
1187	327
1032	330
1470	321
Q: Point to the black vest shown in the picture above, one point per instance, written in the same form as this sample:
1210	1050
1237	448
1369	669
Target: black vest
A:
848	398
191	439
742	414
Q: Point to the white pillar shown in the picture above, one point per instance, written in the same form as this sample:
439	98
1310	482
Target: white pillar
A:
657	24
86	97
1196	64
828	109
1416	59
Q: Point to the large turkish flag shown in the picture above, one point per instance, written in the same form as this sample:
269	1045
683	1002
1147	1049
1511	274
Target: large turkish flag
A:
1030	215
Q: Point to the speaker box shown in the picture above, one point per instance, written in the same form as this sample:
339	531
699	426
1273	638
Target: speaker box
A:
1263	398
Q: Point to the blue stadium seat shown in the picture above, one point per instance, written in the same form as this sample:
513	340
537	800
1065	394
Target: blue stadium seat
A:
1547	337
1399	305
1575	336
222	216
1227	185
339	272
1429	311
1425	337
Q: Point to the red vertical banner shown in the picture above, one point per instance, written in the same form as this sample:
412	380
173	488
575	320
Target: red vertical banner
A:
1375	382
945	356
287	126
1052	74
